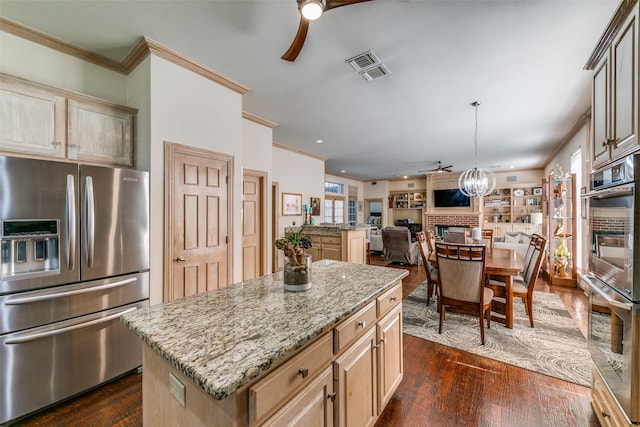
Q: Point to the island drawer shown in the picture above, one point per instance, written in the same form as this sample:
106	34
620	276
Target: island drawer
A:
346	332
389	299
336	240
269	393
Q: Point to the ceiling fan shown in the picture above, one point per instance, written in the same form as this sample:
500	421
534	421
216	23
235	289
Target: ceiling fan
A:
439	169
310	10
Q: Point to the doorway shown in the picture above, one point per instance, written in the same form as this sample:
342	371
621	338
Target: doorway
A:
198	218
254	224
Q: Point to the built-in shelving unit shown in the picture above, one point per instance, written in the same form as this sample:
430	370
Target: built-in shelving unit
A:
510	209
560	228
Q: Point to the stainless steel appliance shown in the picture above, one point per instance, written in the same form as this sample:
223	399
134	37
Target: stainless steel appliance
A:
614	316
74	256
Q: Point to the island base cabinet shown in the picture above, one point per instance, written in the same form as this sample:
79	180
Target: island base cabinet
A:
355	372
311	407
163	385
390	367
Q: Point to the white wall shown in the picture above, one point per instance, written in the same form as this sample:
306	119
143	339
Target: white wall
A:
31	61
300	174
257	152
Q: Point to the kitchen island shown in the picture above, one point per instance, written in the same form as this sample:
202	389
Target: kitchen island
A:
252	354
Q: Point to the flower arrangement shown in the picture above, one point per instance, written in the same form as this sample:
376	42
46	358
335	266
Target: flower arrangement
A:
293	244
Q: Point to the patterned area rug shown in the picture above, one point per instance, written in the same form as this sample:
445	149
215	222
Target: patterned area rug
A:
555	347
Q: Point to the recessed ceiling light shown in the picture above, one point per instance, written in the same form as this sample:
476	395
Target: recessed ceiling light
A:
511	167
343	171
319	141
405	177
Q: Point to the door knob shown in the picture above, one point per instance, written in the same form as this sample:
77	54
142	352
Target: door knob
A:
181	259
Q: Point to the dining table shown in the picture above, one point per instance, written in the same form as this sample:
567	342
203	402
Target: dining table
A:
504	264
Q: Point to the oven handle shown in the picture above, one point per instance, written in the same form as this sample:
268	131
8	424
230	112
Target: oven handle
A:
29	300
36	336
608	299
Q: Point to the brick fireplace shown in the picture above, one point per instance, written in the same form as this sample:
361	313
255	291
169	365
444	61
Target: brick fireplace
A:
452	220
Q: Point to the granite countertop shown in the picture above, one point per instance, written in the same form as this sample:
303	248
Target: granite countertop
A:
225	338
329	230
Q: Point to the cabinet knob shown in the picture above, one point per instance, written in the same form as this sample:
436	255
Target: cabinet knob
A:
605	143
362	324
331	396
303	372
604	414
393	299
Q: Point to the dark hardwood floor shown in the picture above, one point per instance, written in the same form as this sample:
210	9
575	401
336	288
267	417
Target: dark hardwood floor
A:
441	387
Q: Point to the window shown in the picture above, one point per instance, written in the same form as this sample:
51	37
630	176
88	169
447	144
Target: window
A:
353	206
334	210
333	187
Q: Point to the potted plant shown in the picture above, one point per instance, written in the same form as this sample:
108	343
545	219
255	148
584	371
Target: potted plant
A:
297	266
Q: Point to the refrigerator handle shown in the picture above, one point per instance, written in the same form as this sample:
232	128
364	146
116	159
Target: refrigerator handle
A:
71	222
89	216
39	335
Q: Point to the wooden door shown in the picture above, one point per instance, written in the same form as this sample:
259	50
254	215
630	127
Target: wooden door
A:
355	373
253	224
624	69
197	251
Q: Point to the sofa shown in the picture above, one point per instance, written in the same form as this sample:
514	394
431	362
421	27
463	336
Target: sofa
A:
517	241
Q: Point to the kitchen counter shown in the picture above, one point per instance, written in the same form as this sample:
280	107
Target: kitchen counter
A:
224	339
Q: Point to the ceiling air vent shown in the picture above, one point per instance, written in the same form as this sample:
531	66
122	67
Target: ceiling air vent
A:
368	65
375	72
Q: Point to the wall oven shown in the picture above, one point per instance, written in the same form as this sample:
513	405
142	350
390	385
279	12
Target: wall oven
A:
614	297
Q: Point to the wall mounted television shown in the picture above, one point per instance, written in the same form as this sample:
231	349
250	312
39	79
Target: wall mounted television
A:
452	198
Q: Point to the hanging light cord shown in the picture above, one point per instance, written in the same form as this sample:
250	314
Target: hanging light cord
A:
475	104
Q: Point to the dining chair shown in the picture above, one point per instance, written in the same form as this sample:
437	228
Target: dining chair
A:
431	240
523	286
461	278
431	272
487	236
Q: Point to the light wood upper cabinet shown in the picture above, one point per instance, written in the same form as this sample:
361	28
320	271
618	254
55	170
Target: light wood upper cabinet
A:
100	133
600	96
614	111
42	121
32	119
624	78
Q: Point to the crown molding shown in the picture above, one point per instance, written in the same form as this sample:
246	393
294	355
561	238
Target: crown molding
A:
297	151
259	120
136	55
582	121
28	33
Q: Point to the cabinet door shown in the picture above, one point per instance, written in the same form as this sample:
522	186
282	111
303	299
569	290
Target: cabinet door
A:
624	61
314	252
332	251
600	113
390	367
32	120
100	133
311	407
355	373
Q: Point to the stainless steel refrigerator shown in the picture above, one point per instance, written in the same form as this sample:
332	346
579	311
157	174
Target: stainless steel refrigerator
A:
74	256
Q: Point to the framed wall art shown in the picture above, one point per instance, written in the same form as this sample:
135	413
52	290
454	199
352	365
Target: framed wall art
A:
315	206
291	204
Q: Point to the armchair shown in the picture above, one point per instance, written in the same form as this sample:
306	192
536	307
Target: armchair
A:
397	246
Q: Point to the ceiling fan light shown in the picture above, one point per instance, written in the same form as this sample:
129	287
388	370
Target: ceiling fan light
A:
312	9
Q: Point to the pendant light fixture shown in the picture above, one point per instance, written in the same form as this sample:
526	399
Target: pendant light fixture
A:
476	182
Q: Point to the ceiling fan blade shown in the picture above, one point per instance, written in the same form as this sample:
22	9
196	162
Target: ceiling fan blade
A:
332	4
298	41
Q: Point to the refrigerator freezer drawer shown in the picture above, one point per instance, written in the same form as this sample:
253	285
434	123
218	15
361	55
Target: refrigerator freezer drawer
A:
35	308
44	365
